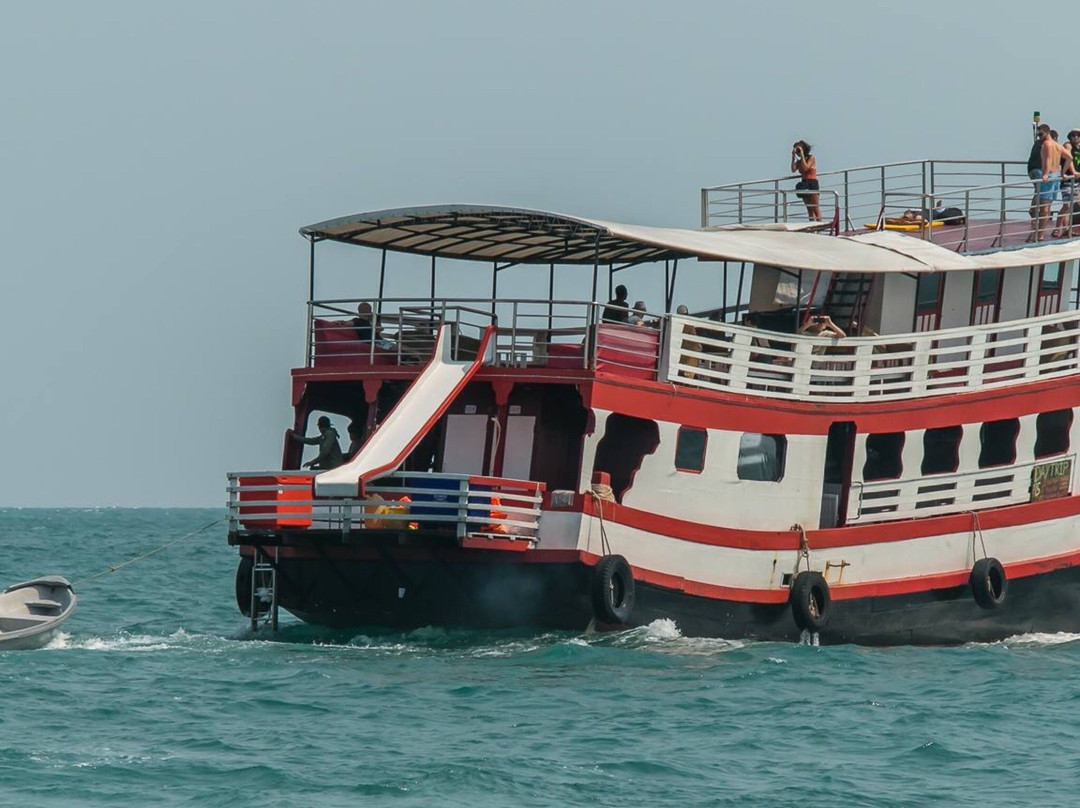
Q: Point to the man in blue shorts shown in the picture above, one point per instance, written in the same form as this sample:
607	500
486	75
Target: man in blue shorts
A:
1050	180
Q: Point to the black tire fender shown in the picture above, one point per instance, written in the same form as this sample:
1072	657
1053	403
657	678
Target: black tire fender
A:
989	584
810	601
613	590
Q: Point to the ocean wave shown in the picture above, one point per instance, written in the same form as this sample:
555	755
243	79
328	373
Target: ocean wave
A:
177	640
1040	638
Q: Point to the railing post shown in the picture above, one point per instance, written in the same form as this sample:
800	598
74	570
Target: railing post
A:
740	207
776	201
463	507
310	354
967	217
1001	220
234	483
976	359
704	208
920	366
847	202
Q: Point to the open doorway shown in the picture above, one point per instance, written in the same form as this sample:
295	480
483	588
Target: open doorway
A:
839	453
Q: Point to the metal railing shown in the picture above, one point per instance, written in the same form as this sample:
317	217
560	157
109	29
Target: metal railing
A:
930	495
460	504
399	331
564	334
733	358
995	200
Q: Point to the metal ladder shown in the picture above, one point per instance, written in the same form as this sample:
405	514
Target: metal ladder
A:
264	590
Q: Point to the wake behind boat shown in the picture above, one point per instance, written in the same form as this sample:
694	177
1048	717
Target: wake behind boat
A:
32	611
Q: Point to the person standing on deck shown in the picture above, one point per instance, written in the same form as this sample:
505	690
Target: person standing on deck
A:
1049	156
329	456
805	164
617	310
1070	173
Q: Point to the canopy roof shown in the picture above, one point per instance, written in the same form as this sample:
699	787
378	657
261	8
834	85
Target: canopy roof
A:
519	235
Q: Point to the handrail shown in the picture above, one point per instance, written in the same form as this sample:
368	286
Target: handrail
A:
994	213
933	494
466	505
732	358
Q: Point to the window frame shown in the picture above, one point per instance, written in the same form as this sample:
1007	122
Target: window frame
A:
1067	430
704	448
982	443
899	457
781	457
956	449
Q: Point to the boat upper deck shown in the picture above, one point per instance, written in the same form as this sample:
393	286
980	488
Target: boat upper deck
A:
989	202
961	305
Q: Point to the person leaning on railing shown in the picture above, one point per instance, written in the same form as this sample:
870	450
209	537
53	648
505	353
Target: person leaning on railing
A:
1070	172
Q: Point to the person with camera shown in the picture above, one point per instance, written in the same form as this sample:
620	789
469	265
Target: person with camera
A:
805	165
821	325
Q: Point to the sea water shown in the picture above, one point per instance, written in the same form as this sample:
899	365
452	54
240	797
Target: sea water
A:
157	694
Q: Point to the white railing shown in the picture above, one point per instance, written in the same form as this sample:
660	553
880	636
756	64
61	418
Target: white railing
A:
992	196
888	500
463	505
732	358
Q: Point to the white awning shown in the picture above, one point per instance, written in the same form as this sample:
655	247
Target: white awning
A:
518	235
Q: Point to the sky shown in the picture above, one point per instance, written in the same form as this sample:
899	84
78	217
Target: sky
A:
157	160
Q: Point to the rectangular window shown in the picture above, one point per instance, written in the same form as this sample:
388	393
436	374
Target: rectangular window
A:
761	457
998	442
1052	432
941	450
690	449
884	459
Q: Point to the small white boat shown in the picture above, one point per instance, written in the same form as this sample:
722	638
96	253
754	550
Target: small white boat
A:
31	612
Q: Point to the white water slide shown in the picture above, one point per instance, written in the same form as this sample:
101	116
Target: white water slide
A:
422	405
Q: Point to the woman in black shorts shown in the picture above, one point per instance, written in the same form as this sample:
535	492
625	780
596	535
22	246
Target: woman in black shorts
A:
805	165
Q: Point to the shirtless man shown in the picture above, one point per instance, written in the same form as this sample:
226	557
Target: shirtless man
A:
1050	154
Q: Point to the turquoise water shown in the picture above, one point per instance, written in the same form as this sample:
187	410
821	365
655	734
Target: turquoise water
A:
158	695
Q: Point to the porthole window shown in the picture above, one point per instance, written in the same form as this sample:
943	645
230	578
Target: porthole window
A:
884	459
998	442
690	449
1052	432
761	457
941	450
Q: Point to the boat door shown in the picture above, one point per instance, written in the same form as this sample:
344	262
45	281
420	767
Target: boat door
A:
839	453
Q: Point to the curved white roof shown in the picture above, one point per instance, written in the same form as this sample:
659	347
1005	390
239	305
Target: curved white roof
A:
520	235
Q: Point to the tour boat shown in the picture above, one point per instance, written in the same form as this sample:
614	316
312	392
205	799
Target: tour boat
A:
553	463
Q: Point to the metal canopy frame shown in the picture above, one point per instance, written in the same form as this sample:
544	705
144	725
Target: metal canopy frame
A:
466	232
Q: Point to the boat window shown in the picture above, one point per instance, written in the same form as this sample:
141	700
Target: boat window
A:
986	286
928	301
1051	278
883	456
998	441
690	449
1052	432
928	292
761	457
625	443
941	450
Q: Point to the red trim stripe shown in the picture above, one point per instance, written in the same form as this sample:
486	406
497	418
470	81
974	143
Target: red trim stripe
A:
854	535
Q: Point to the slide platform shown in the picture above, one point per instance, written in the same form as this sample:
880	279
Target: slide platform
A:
422	405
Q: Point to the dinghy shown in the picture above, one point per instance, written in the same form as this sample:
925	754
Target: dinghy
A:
31	612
